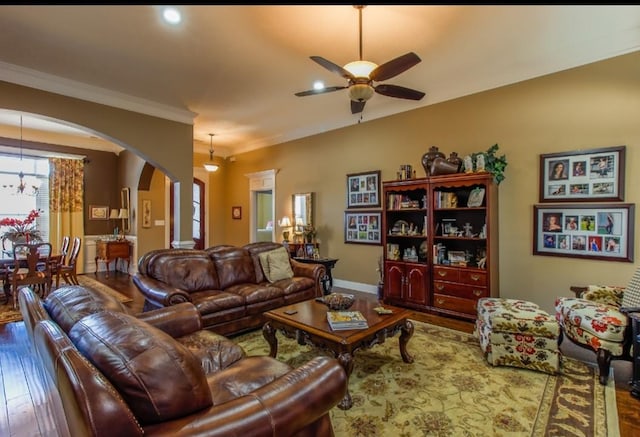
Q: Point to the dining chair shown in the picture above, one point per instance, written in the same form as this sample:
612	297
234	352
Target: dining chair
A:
32	268
62	259
68	271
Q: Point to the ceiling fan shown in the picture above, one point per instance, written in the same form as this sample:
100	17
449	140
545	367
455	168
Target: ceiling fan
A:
361	75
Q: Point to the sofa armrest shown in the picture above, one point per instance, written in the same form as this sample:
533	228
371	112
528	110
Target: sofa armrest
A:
159	293
176	320
283	407
314	271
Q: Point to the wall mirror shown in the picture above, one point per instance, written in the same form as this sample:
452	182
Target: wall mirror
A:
125	209
302	210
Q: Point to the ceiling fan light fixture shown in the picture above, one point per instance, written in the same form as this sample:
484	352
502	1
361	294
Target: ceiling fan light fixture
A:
360	92
360	68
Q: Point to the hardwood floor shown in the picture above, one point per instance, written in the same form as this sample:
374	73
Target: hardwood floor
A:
31	409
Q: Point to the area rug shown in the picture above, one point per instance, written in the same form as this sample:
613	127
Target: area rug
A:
8	314
450	390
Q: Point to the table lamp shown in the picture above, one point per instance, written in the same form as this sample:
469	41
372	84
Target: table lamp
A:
285	224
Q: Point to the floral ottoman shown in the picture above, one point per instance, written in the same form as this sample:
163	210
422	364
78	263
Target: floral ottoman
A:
518	333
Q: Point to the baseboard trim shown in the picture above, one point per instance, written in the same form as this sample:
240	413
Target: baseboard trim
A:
357	286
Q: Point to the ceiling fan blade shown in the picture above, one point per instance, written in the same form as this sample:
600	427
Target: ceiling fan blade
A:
357	106
320	91
399	92
394	67
335	68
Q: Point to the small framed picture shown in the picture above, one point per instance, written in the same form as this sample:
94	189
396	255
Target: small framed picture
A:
309	250
98	212
146	213
476	196
236	212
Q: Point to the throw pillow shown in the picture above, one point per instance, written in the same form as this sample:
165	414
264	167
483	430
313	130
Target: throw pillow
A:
275	264
279	265
631	296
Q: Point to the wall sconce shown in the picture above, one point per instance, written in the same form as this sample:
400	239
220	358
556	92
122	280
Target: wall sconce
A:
285	224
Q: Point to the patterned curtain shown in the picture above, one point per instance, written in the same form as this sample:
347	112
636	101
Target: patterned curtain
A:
66	205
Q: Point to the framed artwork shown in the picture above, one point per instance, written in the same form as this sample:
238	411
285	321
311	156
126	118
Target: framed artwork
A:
363	190
236	212
602	232
98	212
146	213
309	250
362	227
595	175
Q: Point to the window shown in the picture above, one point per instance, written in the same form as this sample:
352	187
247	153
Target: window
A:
18	205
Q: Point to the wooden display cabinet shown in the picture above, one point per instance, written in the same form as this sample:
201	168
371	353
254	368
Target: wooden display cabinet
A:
442	229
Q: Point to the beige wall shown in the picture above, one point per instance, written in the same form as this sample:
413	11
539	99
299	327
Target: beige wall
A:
153	237
589	107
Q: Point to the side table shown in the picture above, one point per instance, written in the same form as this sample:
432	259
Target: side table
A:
108	251
635	379
328	263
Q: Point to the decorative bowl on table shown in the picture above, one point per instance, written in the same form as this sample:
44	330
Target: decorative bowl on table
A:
339	301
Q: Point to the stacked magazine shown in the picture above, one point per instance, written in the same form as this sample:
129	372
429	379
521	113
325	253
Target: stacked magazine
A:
343	320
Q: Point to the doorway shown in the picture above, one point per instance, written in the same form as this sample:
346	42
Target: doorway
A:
264	215
199	236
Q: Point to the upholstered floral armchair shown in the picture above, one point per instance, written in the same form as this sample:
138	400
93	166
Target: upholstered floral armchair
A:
597	318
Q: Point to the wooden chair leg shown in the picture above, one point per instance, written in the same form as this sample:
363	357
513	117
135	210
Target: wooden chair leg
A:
604	363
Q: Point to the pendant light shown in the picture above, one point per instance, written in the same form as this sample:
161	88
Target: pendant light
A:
211	166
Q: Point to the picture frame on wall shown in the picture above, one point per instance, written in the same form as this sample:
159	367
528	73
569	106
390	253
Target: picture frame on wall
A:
595	175
363	190
363	227
602	232
98	212
146	213
236	212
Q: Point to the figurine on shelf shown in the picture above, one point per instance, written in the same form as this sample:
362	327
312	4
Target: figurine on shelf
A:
467	230
480	165
468	164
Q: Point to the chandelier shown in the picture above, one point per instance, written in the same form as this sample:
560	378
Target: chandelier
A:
28	185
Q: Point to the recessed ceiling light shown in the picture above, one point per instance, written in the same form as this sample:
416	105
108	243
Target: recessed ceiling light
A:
171	15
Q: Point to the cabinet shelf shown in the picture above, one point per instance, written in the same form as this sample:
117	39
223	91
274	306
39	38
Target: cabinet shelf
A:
441	237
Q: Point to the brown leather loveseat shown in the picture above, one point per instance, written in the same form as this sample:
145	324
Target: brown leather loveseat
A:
230	286
118	375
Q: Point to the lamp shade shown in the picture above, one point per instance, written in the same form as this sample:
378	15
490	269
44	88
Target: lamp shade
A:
284	222
114	213
210	166
123	214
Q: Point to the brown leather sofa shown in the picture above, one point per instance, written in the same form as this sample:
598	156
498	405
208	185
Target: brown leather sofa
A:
227	284
118	375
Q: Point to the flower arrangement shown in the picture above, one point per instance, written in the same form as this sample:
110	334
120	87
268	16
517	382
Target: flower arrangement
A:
21	228
309	233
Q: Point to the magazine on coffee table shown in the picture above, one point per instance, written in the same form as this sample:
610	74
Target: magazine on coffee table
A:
343	320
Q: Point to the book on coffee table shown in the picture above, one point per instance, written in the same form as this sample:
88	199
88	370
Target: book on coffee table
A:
343	320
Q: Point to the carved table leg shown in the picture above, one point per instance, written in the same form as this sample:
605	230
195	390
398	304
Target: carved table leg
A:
269	334
346	361
405	336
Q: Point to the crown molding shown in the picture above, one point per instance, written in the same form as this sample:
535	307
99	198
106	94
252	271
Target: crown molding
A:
79	90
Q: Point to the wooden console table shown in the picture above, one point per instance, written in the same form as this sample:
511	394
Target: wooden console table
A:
107	251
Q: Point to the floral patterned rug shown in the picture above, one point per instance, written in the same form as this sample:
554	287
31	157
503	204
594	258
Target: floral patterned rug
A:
450	390
8	314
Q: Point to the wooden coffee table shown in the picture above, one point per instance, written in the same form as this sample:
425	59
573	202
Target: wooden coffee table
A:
309	326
